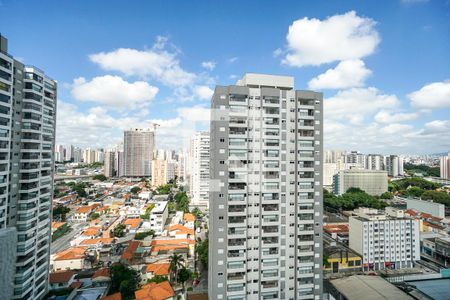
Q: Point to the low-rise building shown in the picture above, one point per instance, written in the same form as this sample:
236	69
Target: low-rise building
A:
132	225
155	291
385	239
61	279
82	213
70	259
156	269
158	216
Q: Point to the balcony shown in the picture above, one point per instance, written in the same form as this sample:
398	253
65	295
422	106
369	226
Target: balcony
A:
237	220
270	240
270	229
236	276
236	242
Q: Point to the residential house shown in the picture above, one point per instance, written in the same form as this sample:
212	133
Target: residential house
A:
155	291
156	269
61	279
70	259
132	225
82	213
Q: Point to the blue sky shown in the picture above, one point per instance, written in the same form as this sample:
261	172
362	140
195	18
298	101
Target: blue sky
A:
383	66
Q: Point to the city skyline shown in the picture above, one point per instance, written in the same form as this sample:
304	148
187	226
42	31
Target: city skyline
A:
166	73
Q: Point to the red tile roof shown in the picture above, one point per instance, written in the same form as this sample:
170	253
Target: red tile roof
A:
158	268
131	249
71	253
103	272
155	291
61	276
180	229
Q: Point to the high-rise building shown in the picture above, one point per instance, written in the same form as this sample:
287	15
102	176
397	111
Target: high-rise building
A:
265	239
394	165
384	239
199	179
445	166
108	167
69	153
162	172
355	159
77	155
138	152
89	156
372	182
28	109
375	162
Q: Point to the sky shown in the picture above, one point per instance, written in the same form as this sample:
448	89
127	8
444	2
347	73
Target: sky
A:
383	66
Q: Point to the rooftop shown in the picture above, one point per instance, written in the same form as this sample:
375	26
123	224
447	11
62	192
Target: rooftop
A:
358	287
155	291
61	277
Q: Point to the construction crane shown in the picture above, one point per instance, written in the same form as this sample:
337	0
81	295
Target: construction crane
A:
155	126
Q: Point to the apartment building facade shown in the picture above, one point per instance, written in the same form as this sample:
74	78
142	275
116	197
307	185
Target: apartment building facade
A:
265	238
385	239
199	178
372	182
138	152
27	134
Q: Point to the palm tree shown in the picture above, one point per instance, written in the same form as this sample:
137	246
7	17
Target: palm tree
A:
176	261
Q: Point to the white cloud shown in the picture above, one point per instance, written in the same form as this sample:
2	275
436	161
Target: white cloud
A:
357	103
203	92
433	95
347	74
395	128
387	117
209	65
195	113
339	37
155	63
113	91
232	59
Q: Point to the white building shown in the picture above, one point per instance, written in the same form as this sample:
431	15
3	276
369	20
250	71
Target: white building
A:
89	156
375	162
265	191
394	165
445	166
27	134
158	216
372	182
384	239
432	208
199	179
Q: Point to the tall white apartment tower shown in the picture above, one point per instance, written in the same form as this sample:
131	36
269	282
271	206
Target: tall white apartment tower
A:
199	179
138	152
445	166
265	239
27	134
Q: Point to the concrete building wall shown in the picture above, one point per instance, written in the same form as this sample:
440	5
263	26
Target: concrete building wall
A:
138	152
435	209
265	191
372	182
27	134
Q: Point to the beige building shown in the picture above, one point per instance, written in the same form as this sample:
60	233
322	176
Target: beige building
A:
162	172
372	182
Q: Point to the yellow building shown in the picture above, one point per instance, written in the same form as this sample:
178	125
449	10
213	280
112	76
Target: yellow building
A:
341	260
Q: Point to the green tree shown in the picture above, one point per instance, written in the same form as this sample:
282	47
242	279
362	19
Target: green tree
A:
355	190
148	210
143	235
387	195
201	248
182	201
100	177
94	216
176	262
157	279
124	280
135	190
183	276
438	197
119	231
60	212
197	212
414	191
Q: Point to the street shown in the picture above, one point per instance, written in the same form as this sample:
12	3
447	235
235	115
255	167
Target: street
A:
64	242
